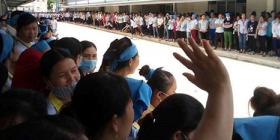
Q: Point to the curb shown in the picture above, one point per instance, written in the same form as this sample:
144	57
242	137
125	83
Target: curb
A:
255	59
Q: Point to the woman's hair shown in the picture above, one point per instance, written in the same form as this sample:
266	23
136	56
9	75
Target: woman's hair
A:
177	112
24	20
117	47
87	44
54	127
3	76
21	104
97	98
71	44
51	58
264	100
157	79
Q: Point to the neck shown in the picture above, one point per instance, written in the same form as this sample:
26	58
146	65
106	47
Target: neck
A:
106	135
123	72
155	102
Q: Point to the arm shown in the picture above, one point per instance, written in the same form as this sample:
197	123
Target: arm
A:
210	75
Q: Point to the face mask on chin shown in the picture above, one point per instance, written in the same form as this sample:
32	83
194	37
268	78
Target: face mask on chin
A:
64	92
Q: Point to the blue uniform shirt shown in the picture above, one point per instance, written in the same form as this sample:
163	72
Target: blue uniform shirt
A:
258	128
141	94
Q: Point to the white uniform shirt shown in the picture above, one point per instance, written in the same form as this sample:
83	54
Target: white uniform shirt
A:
159	21
219	29
203	25
243	26
193	24
274	28
154	21
263	29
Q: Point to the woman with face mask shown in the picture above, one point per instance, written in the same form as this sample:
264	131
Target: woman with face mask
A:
89	58
228	29
61	75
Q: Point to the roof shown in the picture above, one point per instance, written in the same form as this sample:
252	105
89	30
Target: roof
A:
15	3
103	3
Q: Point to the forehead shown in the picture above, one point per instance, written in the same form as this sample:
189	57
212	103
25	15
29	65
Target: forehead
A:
90	50
63	65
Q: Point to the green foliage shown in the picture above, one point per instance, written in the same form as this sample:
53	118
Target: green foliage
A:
50	4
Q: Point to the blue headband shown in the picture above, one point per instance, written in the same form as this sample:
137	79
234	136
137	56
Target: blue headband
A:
41	46
43	29
129	53
7	45
150	74
13	21
50	39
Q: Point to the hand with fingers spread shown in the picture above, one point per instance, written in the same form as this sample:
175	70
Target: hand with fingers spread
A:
209	74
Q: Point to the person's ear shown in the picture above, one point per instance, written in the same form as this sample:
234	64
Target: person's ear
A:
177	135
115	124
49	85
130	62
157	94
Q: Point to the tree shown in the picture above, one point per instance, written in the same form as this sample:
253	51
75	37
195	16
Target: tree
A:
50	4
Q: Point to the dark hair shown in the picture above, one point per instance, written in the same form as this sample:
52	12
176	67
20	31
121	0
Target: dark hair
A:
51	58
161	80
254	13
3	76
95	103
71	44
87	44
263	101
55	127
24	20
277	15
2	45
21	103
176	112
115	50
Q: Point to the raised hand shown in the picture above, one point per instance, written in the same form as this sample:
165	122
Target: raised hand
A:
210	73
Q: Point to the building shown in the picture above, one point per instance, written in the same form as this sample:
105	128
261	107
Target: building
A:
35	6
178	6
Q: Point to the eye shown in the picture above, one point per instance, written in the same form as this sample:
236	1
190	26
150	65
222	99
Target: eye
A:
61	75
74	70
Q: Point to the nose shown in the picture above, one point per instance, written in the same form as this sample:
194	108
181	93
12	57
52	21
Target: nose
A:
70	78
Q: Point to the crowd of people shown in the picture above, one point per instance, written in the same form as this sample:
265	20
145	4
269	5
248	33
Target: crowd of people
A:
51	89
240	32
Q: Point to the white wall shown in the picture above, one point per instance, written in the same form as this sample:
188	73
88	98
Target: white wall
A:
36	6
112	9
198	7
256	5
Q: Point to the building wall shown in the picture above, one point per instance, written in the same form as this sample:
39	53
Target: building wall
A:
270	5
278	6
112	9
198	7
256	5
36	6
146	8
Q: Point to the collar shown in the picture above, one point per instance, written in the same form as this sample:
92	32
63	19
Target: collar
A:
56	102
